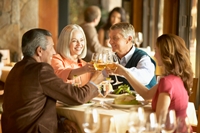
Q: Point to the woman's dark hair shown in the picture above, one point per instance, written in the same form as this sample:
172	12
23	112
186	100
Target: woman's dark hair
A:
121	11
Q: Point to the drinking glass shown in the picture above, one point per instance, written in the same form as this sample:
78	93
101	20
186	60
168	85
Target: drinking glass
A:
168	122
99	61
111	59
91	120
95	57
76	81
106	87
136	120
183	125
138	38
108	125
151	124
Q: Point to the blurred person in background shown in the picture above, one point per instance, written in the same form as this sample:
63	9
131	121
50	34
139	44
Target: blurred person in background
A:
92	16
117	15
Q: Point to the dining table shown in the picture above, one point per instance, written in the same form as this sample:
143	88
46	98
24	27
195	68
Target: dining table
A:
119	114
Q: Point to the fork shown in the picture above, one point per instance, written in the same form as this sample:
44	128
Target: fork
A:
103	105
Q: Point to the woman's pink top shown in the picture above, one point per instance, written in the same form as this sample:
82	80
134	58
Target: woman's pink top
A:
63	66
173	85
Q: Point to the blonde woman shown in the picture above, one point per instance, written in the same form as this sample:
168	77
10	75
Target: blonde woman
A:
71	48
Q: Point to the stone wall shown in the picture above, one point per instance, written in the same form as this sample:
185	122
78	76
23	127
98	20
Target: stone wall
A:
16	17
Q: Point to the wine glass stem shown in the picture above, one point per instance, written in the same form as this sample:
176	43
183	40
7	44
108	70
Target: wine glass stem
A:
116	79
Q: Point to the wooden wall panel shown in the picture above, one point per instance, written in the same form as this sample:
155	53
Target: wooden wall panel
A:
137	15
48	17
170	23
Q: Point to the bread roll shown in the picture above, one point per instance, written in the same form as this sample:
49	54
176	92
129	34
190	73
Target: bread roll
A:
126	100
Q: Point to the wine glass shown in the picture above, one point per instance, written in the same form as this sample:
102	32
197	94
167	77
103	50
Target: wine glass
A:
91	120
138	38
183	125
99	61
108	125
136	120
112	58
151	124
168	122
106	87
76	81
95	57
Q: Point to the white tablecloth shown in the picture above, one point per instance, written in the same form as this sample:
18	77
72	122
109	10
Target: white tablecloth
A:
77	115
120	115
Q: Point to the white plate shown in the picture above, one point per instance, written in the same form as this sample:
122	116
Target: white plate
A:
116	95
77	106
122	106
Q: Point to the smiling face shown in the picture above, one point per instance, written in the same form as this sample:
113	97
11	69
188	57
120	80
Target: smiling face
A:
77	43
120	44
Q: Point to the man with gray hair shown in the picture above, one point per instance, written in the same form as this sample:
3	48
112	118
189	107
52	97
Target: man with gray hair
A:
136	61
32	88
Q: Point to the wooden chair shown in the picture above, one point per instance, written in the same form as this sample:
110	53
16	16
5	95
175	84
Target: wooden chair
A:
192	97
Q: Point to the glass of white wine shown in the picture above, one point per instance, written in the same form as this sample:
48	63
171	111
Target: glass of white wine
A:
99	61
111	59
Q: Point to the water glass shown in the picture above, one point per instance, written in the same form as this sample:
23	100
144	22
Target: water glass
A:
183	125
91	120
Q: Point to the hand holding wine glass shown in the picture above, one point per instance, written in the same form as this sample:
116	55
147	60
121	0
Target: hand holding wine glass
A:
111	61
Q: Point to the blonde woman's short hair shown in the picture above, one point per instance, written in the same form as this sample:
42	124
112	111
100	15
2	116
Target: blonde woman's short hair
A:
63	46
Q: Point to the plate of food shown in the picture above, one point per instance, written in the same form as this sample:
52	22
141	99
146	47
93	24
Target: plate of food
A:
121	90
90	103
125	101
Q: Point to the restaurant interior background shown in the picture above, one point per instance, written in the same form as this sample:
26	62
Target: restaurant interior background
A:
151	17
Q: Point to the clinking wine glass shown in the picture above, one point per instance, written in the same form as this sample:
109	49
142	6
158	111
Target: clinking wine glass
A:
99	61
91	120
112	58
138	38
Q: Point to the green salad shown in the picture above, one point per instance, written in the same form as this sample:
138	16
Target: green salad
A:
123	89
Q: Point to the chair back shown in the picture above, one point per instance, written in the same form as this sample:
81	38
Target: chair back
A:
193	96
